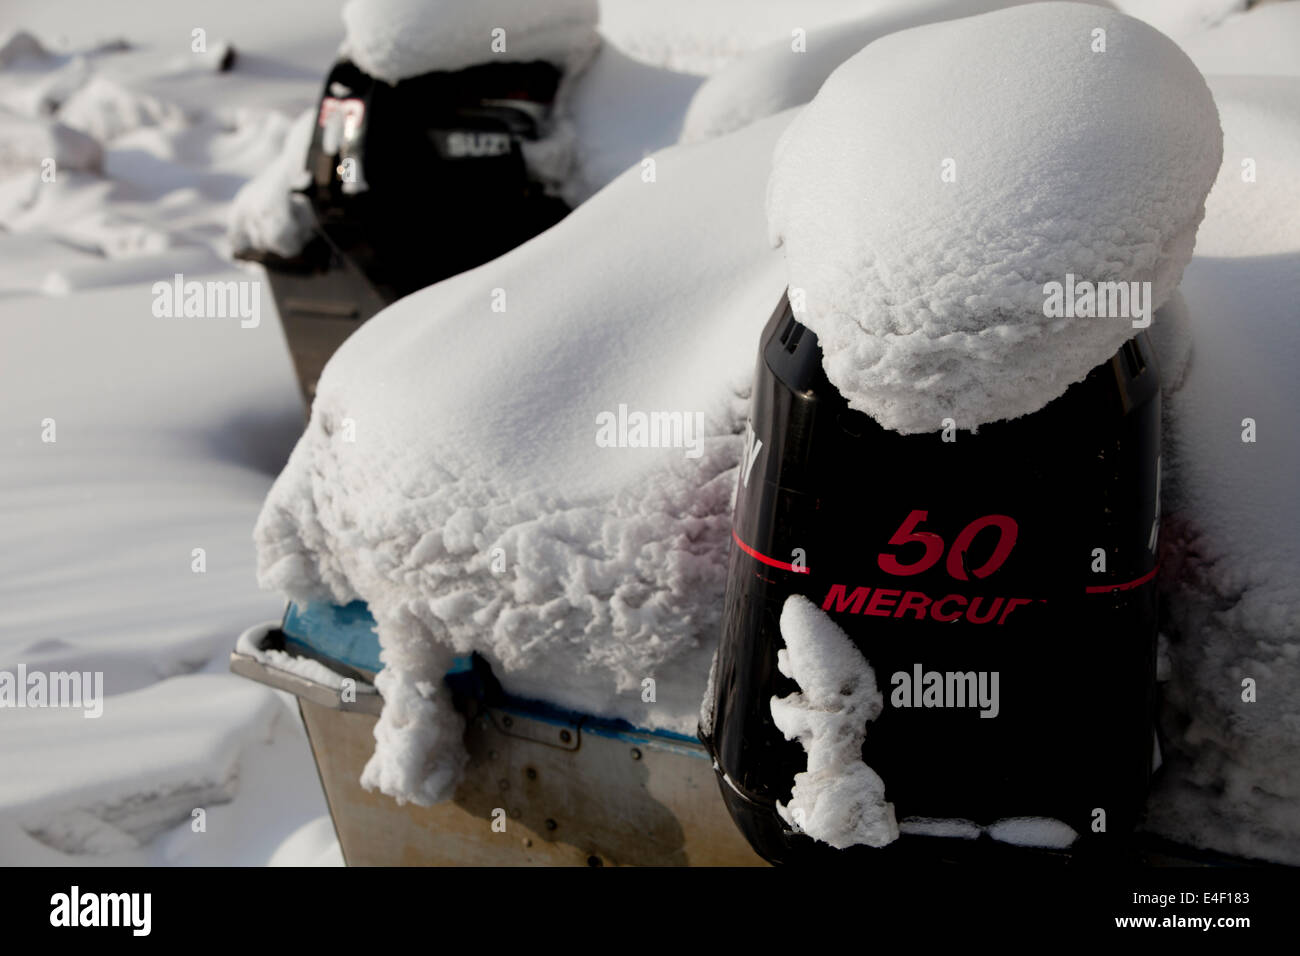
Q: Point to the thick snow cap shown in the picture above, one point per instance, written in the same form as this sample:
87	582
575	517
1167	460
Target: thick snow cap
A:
944	176
396	39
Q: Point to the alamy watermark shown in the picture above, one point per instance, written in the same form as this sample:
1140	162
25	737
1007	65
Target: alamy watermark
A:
922	688
635	429
21	688
1079	298
133	911
209	300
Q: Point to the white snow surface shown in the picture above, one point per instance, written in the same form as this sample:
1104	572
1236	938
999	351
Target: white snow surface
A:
790	71
927	295
396	39
1182	18
778	76
838	800
1261	44
705	37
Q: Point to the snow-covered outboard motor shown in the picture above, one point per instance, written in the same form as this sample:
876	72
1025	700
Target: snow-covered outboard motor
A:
419	180
1026	549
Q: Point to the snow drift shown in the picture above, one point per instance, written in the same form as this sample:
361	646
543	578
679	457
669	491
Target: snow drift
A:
929	193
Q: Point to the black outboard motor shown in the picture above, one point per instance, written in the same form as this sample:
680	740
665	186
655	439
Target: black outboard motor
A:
419	180
969	556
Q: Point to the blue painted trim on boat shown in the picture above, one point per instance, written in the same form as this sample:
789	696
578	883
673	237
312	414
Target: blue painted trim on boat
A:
346	633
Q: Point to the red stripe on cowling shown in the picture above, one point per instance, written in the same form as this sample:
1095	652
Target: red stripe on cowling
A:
1137	582
771	562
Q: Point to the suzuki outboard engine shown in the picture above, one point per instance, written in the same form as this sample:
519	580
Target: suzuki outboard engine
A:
999	583
419	180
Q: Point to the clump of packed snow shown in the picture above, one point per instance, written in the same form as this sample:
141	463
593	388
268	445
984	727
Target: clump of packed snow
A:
251	642
838	800
1033	832
268	214
929	193
396	39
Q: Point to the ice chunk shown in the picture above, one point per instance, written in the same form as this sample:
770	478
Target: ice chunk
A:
839	799
930	193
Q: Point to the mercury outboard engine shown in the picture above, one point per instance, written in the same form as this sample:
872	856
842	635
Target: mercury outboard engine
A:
419	180
1025	550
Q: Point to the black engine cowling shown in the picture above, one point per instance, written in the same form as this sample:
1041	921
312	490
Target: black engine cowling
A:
419	180
978	554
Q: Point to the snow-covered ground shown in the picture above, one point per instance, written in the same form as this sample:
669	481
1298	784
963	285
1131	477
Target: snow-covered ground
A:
169	431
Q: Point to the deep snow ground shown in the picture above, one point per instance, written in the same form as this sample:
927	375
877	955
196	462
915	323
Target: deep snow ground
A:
168	432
